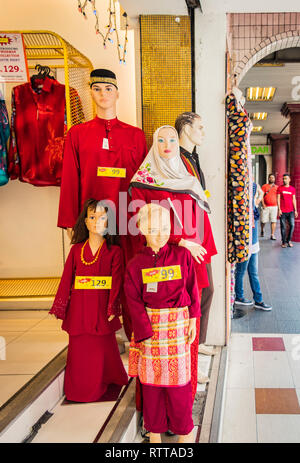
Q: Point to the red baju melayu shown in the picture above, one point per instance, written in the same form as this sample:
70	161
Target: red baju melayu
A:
93	361
196	228
159	351
83	154
37	132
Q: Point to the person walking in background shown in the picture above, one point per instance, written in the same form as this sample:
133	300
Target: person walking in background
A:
269	206
287	210
251	265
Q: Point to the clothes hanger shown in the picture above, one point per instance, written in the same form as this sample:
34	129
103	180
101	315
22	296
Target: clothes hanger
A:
43	72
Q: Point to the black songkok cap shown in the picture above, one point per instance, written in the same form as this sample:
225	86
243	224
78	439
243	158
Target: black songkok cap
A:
103	76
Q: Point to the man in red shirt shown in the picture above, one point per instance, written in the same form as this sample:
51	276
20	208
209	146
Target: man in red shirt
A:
287	209
269	206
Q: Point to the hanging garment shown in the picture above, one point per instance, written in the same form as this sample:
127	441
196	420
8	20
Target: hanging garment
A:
93	358
37	132
4	136
239	127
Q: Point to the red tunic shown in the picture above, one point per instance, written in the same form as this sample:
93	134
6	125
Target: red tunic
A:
37	133
94	368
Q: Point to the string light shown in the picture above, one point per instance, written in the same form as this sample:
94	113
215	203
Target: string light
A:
111	27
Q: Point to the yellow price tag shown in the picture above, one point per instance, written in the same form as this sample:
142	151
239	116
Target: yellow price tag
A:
207	193
93	282
155	274
111	172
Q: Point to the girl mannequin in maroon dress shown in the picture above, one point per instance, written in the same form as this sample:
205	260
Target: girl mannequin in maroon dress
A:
88	302
163	178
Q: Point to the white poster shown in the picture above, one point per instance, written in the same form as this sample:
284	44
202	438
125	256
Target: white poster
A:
13	63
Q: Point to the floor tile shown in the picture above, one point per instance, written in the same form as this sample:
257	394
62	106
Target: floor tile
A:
239	423
83	423
268	344
292	342
32	351
294	362
10	384
276	401
240	342
278	429
271	369
14	324
22	314
240	370
288	326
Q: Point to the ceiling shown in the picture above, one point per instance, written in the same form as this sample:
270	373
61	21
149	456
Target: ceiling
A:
135	8
279	77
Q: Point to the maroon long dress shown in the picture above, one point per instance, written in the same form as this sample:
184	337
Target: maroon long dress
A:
94	366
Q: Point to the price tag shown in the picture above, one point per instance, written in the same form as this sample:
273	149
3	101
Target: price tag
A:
207	193
105	144
13	63
111	172
156	274
93	282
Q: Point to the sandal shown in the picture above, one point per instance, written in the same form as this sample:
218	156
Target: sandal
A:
284	245
290	244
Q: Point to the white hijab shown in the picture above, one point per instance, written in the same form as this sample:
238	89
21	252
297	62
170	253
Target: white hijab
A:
168	174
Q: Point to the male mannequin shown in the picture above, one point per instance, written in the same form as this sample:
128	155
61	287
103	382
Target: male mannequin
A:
190	130
103	142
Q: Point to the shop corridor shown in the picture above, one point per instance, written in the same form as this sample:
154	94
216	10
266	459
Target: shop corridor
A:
262	386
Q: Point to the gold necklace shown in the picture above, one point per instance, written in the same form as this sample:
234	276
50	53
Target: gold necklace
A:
97	255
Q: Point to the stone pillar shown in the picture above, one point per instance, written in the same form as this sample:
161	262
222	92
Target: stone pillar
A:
292	111
279	155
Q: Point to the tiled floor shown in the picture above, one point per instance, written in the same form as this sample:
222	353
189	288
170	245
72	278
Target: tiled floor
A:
262	389
279	271
28	341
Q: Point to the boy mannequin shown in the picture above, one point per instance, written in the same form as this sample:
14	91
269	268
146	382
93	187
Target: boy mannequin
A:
164	326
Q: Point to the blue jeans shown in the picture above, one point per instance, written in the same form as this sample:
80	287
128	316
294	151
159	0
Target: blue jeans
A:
252	266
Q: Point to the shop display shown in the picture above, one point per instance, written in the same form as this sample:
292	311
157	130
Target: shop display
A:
88	301
239	126
4	136
162	179
164	306
100	158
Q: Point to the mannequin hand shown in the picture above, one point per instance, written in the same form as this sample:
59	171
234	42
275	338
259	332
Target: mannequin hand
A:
196	250
192	330
111	318
69	233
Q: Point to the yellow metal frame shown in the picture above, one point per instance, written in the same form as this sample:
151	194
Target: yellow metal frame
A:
47	45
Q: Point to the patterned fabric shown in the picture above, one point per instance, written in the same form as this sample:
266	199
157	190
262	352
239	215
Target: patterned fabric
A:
4	135
163	359
239	127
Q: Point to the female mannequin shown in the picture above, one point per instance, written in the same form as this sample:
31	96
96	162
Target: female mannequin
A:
88	302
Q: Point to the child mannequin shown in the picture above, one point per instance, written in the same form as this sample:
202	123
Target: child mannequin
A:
88	302
163	315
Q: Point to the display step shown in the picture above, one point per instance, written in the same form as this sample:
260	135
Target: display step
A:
27	293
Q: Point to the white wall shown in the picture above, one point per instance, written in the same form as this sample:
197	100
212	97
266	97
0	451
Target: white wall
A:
253	6
210	47
31	244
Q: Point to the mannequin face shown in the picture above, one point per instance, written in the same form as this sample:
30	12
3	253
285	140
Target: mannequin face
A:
195	131
96	221
167	143
104	95
156	228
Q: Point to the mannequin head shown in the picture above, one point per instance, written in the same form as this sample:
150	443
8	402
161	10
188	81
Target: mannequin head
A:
154	224
96	218
167	142
190	130
104	92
